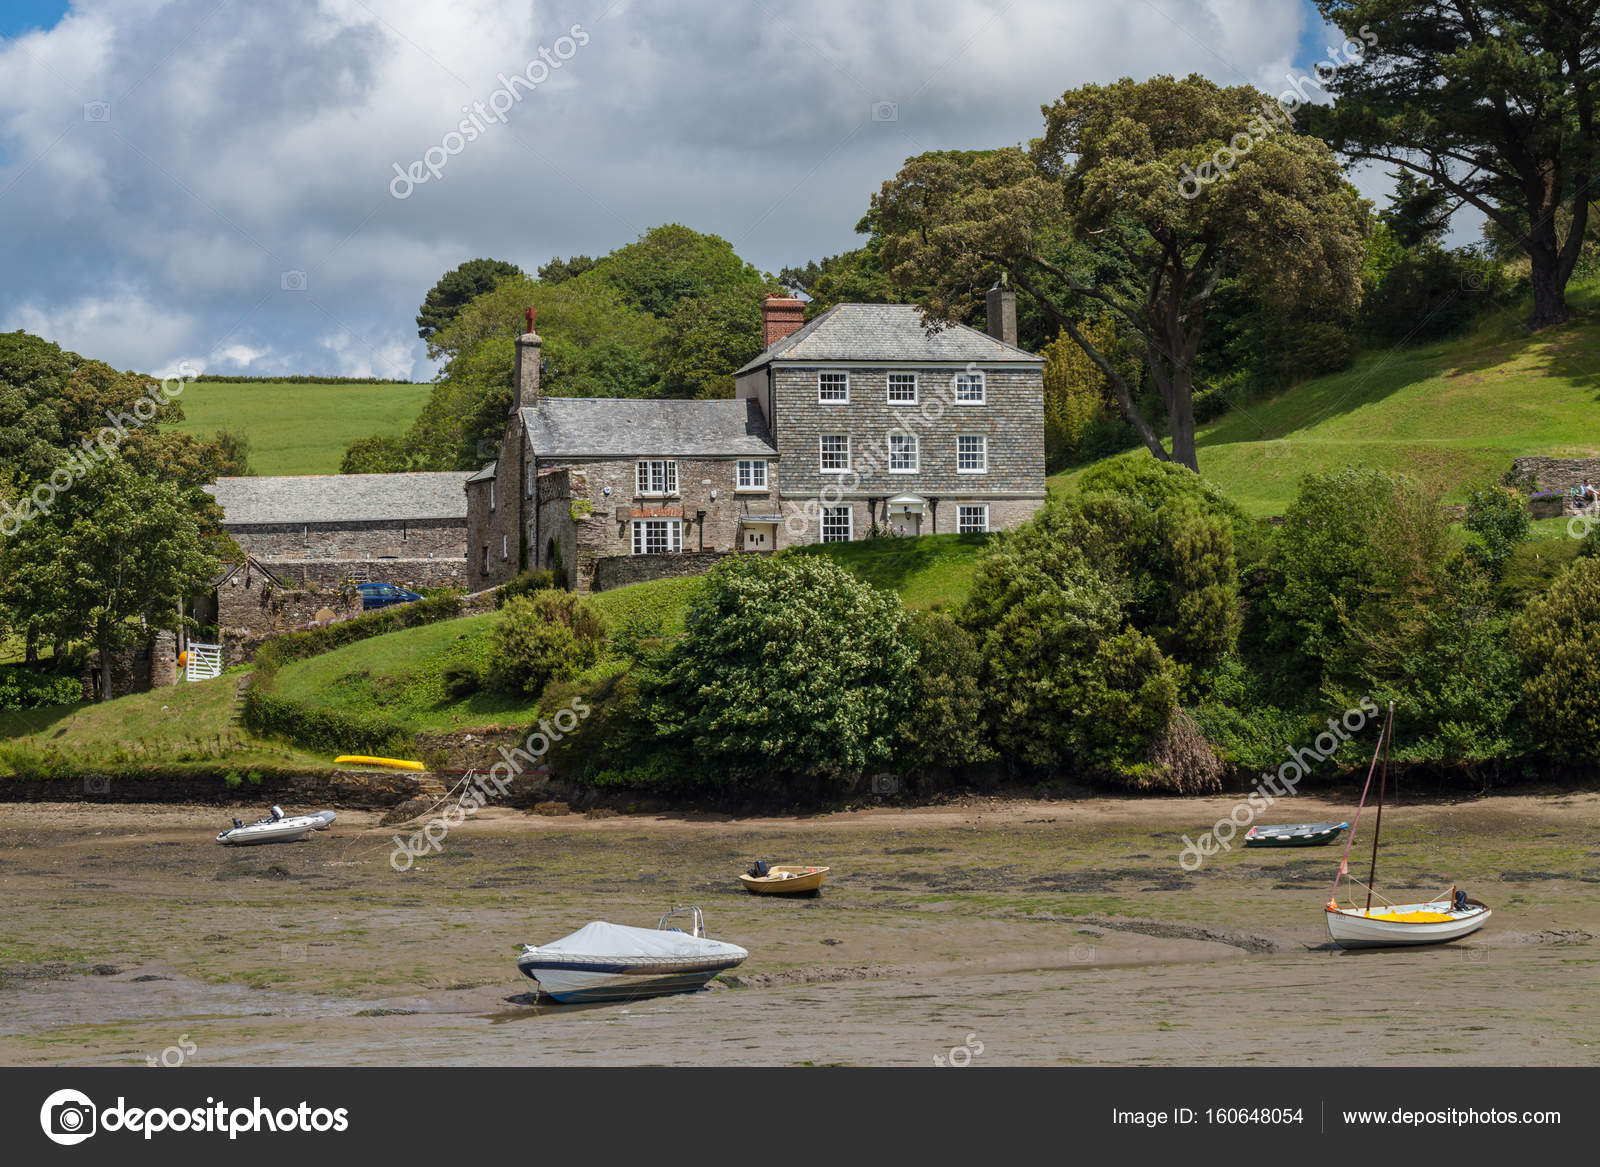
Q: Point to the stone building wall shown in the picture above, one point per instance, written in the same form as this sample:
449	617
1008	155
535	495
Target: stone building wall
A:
498	515
135	668
405	573
1556	473
620	570
1011	419
417	539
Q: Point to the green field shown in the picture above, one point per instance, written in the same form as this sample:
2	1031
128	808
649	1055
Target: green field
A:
928	571
188	727
1450	413
299	427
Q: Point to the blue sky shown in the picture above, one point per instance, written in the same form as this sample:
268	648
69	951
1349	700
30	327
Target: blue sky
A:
216	181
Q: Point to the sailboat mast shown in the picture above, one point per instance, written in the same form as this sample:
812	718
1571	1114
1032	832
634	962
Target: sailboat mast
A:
1377	826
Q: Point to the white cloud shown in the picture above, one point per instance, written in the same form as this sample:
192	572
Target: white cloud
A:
247	141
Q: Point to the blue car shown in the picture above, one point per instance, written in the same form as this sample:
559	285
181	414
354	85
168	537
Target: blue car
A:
381	595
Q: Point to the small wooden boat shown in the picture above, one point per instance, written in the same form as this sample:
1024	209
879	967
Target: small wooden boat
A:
1389	925
615	962
1296	835
784	879
364	760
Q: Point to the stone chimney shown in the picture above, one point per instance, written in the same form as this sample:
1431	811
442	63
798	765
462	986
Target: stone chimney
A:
781	316
526	377
1003	313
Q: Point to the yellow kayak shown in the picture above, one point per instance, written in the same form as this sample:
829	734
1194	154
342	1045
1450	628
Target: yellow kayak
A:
363	760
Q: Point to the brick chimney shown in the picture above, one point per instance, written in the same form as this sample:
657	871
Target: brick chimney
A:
526	377
1003	313
781	316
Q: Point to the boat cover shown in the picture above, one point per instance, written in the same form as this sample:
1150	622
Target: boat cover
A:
601	939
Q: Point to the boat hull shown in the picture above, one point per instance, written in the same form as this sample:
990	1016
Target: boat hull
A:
602	981
786	881
1354	928
289	830
1307	835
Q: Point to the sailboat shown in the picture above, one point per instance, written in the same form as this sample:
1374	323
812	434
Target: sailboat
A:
1389	924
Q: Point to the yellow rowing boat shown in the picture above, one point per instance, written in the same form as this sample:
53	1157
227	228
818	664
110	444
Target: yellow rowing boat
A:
786	879
364	760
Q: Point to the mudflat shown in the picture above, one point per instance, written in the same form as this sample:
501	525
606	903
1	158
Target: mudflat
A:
1011	932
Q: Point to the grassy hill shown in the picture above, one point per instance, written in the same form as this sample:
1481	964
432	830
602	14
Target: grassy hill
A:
1450	413
186	728
928	571
298	427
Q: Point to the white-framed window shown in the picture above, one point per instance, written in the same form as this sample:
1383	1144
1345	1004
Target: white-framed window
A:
837	524
657	477
505	546
834	451
654	536
972	454
833	385
752	474
972	520
970	389
904	454
902	388
530	477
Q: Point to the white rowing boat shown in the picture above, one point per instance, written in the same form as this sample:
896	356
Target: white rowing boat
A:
615	962
1404	924
276	828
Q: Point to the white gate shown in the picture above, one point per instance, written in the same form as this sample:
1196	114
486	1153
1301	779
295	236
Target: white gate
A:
205	661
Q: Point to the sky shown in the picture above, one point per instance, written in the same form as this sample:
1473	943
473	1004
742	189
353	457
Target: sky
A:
272	188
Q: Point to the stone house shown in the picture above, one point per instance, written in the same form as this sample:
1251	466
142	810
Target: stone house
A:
861	422
408	529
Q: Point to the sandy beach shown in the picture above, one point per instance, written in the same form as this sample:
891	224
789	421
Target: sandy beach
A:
1011	932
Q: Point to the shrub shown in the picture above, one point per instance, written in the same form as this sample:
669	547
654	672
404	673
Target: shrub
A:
1360	559
22	687
461	680
1141	479
1557	640
1431	292
318	729
1500	518
1068	685
789	665
548	635
948	725
525	584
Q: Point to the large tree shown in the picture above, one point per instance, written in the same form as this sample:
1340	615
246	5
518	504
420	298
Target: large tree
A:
109	563
1490	100
1104	213
456	289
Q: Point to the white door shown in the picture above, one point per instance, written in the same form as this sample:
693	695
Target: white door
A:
758	538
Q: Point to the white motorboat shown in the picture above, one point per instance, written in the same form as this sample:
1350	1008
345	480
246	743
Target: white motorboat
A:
1401	924
615	962
276	828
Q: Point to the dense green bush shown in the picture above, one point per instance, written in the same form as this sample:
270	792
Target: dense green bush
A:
546	636
1430	292
1359	561
525	584
22	687
318	729
1070	688
948	725
1141	479
1499	517
1557	640
788	665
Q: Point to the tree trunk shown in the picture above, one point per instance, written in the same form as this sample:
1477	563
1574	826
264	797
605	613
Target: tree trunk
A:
105	667
1549	289
30	653
1180	411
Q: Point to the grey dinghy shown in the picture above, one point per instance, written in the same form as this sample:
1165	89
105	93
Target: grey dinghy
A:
613	962
276	828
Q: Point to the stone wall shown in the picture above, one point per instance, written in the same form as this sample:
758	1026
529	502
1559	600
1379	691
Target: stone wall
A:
295	792
1557	473
498	515
419	539
405	573
619	570
136	668
249	611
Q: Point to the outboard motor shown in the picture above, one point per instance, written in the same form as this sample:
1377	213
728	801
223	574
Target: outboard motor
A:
277	813
759	868
1460	903
237	824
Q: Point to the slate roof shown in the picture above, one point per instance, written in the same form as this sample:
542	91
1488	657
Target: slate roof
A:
486	474
335	498
887	332
625	427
